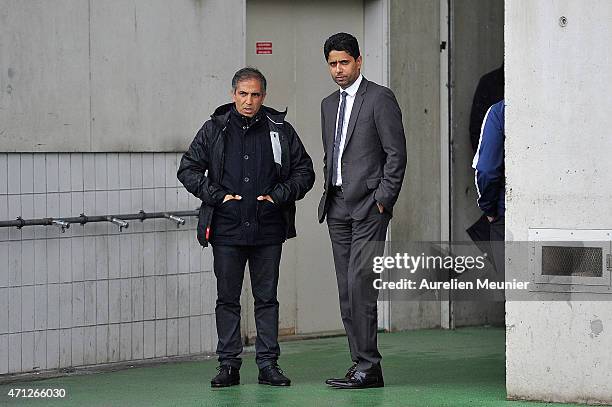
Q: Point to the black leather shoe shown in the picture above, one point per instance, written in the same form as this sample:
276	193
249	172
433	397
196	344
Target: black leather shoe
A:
348	374
228	376
362	380
273	375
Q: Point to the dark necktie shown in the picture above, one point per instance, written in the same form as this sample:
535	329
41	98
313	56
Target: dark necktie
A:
338	139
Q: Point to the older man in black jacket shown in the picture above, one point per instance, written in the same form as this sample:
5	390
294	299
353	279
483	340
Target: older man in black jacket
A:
248	166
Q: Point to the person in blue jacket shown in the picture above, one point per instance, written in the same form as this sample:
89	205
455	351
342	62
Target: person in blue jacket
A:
490	175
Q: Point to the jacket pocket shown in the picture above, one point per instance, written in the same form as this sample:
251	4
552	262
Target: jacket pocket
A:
270	217
267	209
372	183
226	221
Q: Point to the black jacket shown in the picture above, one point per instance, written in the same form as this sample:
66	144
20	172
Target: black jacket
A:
201	168
489	91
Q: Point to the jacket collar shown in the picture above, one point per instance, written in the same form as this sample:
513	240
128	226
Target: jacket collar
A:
355	86
222	113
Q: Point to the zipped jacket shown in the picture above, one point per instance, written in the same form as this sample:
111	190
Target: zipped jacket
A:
489	163
201	168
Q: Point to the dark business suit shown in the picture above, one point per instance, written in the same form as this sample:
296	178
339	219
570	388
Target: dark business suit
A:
372	169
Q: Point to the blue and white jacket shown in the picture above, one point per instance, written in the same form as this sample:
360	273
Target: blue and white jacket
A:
489	162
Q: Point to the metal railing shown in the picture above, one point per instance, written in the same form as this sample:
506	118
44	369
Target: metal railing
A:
119	220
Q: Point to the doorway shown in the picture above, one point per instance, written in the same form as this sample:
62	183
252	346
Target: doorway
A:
477	47
284	39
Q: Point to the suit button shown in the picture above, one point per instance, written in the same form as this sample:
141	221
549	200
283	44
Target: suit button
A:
246	179
247	224
246	156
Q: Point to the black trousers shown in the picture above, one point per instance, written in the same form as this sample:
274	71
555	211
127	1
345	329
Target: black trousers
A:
354	244
229	263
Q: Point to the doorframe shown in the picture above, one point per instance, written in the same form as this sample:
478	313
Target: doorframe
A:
446	87
375	48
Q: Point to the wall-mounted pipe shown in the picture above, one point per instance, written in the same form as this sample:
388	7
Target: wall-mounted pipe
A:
119	220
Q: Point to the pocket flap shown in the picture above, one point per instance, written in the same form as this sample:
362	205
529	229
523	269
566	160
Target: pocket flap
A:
372	183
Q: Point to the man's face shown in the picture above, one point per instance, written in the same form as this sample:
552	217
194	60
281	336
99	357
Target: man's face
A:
344	69
248	97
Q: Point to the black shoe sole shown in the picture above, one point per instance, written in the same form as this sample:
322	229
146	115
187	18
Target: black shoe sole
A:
218	385
367	386
329	381
274	384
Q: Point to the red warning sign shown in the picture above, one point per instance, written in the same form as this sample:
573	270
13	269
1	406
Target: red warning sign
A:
263	47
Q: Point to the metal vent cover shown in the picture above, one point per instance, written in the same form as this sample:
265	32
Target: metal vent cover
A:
572	261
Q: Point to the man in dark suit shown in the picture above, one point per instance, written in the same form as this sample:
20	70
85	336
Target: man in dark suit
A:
364	163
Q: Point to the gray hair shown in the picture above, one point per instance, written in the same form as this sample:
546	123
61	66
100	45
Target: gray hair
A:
248	73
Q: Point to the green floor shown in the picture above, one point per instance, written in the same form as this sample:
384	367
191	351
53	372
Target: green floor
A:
421	368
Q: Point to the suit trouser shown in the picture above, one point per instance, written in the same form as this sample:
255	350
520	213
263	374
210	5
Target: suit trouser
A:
354	244
229	263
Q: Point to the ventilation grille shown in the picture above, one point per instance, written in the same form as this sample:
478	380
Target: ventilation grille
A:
572	261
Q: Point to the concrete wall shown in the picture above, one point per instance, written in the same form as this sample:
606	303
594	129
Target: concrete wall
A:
558	143
115	75
93	294
477	48
414	72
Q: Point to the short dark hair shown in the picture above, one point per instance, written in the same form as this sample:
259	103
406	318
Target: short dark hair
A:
248	73
341	42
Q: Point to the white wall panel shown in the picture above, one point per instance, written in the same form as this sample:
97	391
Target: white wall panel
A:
40	307
4	310
125	341
114	343
149	339
27	351
14	348
4	354
137	340
27	308
52	349
101	343
89	345
184	336
172	337
94	294
77	346
4	173
40	350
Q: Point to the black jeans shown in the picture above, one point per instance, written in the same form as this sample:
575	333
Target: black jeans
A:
229	264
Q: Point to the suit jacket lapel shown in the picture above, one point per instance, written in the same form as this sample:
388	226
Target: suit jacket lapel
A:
355	111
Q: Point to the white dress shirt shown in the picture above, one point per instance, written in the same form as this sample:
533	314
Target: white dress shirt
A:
350	99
